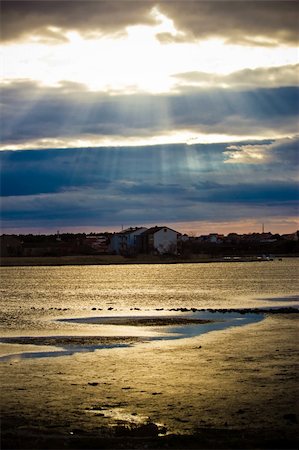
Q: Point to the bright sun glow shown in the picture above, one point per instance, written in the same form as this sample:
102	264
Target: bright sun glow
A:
174	137
134	62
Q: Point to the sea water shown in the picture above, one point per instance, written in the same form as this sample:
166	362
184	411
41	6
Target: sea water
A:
34	297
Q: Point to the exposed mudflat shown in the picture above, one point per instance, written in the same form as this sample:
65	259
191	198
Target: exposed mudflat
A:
142	321
233	388
69	340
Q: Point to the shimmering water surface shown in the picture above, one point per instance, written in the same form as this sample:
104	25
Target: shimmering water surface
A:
33	297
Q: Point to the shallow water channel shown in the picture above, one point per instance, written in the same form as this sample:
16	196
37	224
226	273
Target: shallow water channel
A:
214	321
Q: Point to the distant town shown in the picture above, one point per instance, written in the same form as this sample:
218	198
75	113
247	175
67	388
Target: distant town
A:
157	241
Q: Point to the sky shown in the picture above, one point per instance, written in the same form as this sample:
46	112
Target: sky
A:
138	113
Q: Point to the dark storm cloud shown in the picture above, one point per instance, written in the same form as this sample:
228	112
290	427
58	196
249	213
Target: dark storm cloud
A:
259	193
110	186
21	18
32	112
237	21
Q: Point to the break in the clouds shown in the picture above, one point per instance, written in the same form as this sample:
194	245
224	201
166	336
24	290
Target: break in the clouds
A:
251	22
121	75
53	18
283	152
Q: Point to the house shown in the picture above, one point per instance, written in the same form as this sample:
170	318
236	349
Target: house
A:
160	240
127	242
212	238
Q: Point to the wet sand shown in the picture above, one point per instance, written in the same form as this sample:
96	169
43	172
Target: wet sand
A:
142	321
235	388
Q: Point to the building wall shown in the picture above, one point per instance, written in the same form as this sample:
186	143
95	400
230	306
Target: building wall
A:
117	242
165	241
133	242
126	243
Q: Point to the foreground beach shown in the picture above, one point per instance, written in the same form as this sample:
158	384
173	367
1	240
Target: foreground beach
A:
235	388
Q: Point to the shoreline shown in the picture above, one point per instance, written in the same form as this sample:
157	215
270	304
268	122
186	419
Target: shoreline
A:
94	260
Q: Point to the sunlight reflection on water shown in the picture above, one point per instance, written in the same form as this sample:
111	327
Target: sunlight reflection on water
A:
33	295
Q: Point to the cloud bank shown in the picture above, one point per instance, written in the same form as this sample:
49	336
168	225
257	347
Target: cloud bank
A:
160	184
91	74
32	112
262	77
247	22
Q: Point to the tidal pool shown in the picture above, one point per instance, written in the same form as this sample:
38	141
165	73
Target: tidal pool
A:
173	327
